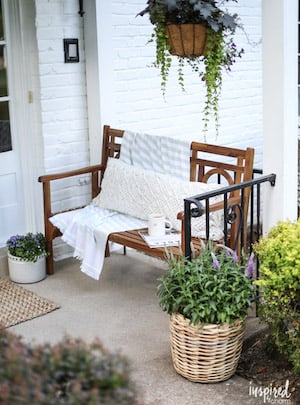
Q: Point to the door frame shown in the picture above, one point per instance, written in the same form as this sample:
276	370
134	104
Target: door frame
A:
19	23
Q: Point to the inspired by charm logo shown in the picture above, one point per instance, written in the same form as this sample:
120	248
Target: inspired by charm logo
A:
270	394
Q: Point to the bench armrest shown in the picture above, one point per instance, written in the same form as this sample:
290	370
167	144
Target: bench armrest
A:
51	231
48	178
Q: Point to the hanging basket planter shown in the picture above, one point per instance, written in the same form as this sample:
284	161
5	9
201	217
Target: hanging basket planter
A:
186	39
205	354
201	34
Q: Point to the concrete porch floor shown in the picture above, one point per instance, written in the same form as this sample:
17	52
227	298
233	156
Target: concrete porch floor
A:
121	309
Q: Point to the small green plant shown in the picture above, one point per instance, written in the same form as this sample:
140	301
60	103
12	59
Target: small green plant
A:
211	288
69	373
221	51
279	282
28	247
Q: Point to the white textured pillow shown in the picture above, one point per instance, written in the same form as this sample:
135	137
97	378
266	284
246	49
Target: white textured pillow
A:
138	193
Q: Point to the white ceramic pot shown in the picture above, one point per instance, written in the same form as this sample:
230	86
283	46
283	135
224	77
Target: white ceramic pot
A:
21	271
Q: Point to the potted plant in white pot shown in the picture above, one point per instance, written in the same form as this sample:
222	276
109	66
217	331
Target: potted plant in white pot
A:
27	257
200	33
207	299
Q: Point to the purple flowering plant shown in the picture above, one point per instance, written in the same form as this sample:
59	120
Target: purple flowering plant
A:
214	287
28	247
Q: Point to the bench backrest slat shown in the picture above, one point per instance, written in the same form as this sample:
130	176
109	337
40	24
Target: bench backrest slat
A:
111	143
206	159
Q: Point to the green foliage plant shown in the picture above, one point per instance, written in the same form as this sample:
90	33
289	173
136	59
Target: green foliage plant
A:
71	372
28	247
212	288
279	282
221	51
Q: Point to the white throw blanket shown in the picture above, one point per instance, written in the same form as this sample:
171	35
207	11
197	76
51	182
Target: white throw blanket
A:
87	230
160	154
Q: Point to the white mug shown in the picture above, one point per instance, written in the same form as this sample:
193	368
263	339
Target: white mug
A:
158	224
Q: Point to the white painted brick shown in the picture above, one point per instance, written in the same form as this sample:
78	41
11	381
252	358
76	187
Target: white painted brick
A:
53	32
45	7
66	91
63	87
61	69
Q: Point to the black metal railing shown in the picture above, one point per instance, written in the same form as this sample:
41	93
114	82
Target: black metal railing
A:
255	226
198	205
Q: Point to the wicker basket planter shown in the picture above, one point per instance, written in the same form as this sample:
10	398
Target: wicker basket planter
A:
208	354
186	39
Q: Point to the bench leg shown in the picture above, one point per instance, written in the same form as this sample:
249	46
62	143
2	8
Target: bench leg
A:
107	252
49	258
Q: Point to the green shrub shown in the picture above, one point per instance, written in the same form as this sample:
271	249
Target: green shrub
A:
71	372
279	281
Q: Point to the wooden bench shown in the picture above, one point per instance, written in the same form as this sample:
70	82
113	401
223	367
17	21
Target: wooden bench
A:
205	162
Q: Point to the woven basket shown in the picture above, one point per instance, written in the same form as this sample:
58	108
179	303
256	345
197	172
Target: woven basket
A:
186	39
208	354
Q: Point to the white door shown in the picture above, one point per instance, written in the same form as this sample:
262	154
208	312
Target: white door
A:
12	210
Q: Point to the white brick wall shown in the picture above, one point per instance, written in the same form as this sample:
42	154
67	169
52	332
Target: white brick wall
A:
62	97
63	88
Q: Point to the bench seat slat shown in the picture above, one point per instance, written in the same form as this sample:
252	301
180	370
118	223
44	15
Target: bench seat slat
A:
133	239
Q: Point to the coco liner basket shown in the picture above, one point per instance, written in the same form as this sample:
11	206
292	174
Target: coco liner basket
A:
186	39
208	354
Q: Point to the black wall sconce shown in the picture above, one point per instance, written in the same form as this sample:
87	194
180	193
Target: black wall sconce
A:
71	50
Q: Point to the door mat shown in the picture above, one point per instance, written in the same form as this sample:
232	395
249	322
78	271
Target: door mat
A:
18	304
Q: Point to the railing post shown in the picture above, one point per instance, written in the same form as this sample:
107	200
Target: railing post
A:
187	230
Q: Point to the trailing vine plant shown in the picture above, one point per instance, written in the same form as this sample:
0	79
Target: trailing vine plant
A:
220	53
